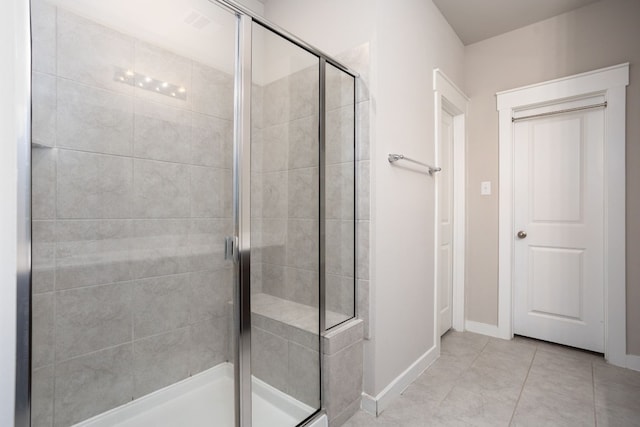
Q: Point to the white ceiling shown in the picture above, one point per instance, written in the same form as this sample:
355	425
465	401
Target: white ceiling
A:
476	20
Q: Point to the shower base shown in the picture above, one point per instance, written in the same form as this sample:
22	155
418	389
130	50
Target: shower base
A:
206	399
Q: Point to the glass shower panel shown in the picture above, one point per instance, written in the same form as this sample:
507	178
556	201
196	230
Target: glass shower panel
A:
132	161
340	196
285	228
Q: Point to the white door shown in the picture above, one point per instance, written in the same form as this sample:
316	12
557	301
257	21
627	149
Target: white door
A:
559	208
445	228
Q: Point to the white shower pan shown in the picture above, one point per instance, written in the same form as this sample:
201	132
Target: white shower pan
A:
206	399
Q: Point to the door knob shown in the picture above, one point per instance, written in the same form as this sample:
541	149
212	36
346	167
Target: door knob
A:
522	234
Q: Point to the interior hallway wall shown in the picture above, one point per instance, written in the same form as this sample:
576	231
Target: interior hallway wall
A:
596	36
408	39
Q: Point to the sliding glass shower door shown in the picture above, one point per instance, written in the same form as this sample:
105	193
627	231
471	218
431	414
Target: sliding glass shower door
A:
132	158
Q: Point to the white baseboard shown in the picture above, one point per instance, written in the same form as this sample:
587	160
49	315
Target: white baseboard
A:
633	362
368	404
482	328
375	405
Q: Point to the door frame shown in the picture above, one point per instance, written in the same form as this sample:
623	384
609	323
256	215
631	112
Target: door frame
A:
610	82
448	97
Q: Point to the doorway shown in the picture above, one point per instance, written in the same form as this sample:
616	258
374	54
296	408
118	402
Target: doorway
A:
558	212
450	137
580	94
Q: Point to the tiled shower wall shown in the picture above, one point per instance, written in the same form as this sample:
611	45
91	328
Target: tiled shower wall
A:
131	203
285	227
284	182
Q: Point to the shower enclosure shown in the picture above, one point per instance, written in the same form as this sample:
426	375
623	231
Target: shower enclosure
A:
192	216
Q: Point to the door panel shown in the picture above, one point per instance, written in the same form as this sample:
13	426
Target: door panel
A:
445	229
558	287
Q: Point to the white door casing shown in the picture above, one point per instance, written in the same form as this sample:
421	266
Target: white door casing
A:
450	99
558	282
444	182
611	83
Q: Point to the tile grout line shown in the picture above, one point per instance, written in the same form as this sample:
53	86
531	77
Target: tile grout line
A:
459	375
523	385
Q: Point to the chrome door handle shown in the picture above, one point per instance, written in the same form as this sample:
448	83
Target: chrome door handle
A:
522	234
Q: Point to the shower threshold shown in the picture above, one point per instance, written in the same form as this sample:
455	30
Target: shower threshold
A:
204	399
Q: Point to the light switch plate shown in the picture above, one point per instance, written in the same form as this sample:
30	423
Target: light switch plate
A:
485	188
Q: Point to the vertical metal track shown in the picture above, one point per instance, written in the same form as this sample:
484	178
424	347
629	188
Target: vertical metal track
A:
22	86
322	214
242	219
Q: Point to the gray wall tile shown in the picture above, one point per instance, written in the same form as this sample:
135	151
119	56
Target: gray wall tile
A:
206	240
92	318
42	397
160	304
342	336
212	143
275	195
43	247
273	280
340	135
302	286
270	358
42	331
43	183
92	252
340	294
43	110
211	293
211	192
212	92
161	189
303	143
363	132
362	251
91	384
340	200
304	375
160	360
302	243
343	379
160	247
162	133
274	238
209	344
89	53
94	120
340	90
43	36
363	306
93	185
275	146
340	247
277	95
362	190
303	199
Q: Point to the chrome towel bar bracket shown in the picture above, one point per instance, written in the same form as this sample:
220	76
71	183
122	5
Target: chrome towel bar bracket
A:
395	157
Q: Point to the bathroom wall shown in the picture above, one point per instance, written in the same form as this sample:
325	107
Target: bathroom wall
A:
131	203
595	36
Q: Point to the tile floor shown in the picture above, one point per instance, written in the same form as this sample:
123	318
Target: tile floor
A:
481	381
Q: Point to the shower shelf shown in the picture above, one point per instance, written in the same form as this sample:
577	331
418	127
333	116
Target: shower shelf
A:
288	319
